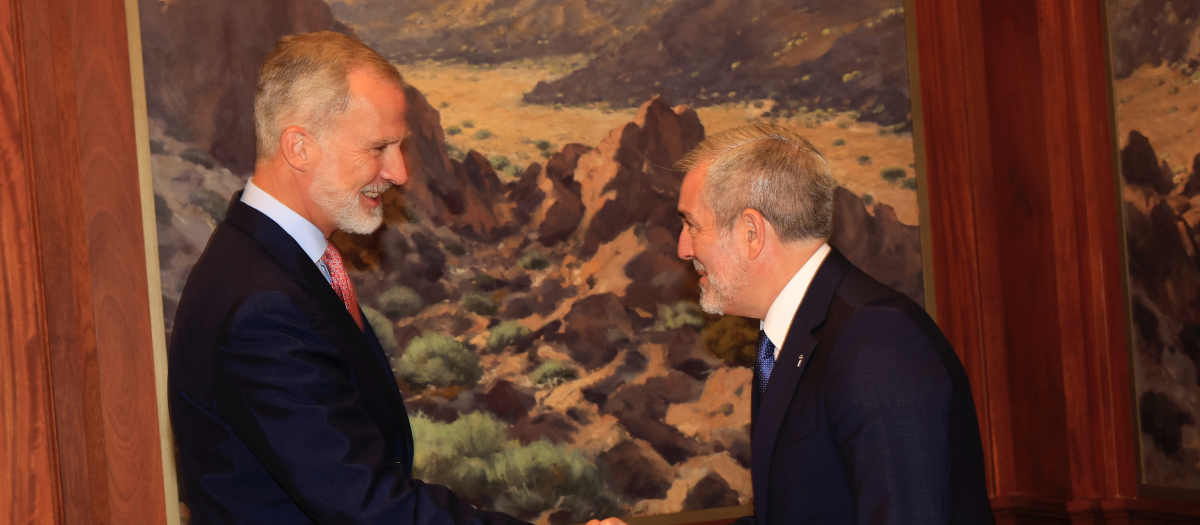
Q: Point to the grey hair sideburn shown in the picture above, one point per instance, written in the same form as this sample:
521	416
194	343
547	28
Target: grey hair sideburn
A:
771	169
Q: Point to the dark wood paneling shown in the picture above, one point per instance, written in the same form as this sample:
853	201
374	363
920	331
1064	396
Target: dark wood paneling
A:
1023	211
950	47
1087	233
65	271
1027	247
113	213
29	489
79	195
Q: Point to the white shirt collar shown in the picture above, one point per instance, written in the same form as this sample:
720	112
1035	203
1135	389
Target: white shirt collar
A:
779	316
309	237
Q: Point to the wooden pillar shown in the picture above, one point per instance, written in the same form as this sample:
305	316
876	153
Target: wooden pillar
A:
1023	209
81	436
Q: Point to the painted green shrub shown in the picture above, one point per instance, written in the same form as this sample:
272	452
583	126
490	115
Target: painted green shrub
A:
439	361
383	329
474	457
400	301
533	261
507	333
682	313
553	373
479	303
893	174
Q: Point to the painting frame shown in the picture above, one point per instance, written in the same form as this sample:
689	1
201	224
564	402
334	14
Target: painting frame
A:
145	178
1140	440
153	276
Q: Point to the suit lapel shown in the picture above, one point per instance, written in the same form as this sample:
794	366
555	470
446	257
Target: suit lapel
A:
793	359
291	258
362	350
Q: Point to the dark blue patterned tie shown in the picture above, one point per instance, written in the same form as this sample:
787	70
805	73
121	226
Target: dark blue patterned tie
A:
763	364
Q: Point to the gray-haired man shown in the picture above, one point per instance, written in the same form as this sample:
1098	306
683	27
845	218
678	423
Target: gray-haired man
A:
862	412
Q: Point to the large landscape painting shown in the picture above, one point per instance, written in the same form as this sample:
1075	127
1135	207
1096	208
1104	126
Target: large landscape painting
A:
1155	46
547	339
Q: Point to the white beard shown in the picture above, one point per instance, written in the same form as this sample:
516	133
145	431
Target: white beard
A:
720	291
348	214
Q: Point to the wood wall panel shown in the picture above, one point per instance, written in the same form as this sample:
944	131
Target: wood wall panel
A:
65	272
1087	227
85	227
113	213
29	487
1027	248
1038	256
958	167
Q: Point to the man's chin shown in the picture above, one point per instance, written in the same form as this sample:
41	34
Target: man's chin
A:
712	304
363	225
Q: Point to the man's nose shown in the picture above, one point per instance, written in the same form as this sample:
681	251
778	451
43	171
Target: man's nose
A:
395	170
684	251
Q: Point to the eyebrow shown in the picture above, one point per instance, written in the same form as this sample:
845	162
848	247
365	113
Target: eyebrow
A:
388	141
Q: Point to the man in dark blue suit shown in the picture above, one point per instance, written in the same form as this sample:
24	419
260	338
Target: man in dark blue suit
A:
282	402
862	412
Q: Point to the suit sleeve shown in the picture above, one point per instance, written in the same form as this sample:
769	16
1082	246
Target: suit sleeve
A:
888	399
301	402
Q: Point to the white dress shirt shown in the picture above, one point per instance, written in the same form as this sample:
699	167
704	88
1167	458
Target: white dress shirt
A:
779	316
309	237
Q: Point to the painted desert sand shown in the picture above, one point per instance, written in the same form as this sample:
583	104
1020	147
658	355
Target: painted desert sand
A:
1164	105
475	98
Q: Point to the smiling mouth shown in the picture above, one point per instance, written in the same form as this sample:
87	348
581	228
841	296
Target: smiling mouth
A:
373	193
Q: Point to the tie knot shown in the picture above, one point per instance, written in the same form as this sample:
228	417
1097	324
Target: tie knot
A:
331	253
763	363
765	346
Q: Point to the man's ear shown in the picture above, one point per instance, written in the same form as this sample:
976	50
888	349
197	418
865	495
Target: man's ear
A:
754	232
299	148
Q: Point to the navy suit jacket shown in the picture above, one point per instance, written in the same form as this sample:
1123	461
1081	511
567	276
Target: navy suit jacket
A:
283	410
867	417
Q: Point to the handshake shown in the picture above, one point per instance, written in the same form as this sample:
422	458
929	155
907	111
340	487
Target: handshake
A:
609	521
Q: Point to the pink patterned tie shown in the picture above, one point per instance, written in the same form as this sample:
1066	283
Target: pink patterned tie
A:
341	282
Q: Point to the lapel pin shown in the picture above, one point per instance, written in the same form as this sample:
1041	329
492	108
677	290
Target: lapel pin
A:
799	361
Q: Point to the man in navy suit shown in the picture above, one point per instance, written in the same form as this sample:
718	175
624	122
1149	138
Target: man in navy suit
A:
862	412
282	402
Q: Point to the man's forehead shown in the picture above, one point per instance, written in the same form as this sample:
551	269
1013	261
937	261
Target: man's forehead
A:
377	108
368	87
692	182
689	195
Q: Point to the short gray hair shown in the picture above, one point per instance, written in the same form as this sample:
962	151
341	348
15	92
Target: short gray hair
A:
767	168
306	79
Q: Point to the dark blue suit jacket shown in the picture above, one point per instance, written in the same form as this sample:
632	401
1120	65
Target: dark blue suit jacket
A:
283	410
867	417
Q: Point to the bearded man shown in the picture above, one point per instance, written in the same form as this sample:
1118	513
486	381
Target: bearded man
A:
861	410
283	404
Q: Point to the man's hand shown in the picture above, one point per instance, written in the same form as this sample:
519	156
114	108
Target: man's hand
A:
609	521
